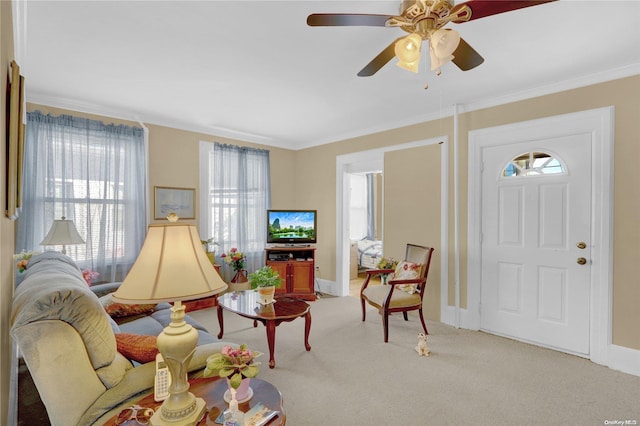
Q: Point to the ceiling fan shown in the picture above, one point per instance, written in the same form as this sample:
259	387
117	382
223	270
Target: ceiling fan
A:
424	20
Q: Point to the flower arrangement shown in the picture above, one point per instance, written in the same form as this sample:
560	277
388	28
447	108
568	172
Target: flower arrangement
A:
387	263
236	259
89	275
23	260
234	364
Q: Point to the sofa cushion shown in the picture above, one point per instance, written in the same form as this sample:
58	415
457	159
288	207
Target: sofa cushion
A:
137	347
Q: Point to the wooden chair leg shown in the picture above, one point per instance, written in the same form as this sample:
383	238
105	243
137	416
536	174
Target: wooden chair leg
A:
364	314
422	321
385	326
406	317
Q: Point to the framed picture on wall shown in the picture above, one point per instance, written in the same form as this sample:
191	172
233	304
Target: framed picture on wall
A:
15	141
180	201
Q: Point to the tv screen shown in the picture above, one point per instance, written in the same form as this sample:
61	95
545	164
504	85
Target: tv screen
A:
292	226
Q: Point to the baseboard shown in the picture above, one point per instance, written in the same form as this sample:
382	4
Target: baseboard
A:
624	359
329	287
466	319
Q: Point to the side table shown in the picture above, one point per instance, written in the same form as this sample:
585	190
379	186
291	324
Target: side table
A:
212	391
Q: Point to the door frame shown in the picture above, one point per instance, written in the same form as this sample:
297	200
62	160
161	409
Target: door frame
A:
346	164
599	124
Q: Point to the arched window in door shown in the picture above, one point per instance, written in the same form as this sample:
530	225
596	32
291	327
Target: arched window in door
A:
533	163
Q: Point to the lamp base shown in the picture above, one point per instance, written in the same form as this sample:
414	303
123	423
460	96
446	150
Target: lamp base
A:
191	420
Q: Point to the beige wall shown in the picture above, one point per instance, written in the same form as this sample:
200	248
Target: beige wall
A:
7	227
412	211
173	161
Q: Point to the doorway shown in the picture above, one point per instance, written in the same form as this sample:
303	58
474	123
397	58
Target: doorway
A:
539	246
346	164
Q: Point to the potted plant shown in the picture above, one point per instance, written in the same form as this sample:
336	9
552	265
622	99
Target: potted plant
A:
237	366
265	280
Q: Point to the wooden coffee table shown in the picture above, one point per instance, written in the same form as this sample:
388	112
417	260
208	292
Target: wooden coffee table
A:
212	391
284	309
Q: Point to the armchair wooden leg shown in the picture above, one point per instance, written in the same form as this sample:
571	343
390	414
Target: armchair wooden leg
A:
422	321
385	326
406	317
364	312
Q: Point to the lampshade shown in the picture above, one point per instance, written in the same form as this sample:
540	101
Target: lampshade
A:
171	266
442	44
62	232
407	49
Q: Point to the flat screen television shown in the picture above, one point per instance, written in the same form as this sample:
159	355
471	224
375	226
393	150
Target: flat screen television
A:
292	226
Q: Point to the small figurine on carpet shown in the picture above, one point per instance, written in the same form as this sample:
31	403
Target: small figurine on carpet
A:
422	345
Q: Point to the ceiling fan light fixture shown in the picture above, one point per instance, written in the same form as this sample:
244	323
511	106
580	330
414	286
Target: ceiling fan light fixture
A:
437	62
409	66
444	42
407	49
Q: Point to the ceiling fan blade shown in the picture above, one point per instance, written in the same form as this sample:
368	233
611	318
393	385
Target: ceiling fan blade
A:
379	61
346	19
466	57
483	8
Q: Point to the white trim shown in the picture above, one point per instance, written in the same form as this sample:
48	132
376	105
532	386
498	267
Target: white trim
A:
624	359
344	165
598	122
456	214
204	214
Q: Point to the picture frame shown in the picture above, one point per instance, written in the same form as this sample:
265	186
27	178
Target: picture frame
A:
180	201
15	133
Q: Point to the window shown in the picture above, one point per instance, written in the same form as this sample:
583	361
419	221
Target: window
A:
93	174
236	193
358	214
533	164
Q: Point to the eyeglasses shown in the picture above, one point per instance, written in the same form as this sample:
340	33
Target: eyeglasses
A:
135	412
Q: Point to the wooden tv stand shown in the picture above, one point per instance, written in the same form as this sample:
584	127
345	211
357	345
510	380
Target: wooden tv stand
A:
296	267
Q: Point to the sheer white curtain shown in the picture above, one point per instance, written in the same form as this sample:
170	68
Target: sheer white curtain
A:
236	193
93	174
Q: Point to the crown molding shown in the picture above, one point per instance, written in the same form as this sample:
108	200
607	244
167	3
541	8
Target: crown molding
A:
97	109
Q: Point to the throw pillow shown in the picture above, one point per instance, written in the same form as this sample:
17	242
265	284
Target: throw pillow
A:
118	310
137	347
407	271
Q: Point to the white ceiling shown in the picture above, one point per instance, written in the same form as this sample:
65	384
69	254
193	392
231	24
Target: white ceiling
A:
253	70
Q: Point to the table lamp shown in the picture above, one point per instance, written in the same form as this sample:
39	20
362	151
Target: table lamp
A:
62	232
172	267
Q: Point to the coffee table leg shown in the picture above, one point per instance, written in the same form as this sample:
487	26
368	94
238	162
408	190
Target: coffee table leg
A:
221	322
271	340
307	329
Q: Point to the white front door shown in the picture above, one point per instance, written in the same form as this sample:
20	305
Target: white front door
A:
535	232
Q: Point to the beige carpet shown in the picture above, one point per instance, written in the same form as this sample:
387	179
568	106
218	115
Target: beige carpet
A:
350	377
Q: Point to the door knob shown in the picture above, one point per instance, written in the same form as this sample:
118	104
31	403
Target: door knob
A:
582	245
581	261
